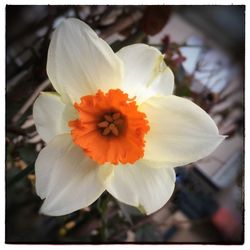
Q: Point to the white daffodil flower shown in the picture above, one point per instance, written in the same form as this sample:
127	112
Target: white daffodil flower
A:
113	125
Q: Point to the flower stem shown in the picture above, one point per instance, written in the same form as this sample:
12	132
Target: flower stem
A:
20	175
102	205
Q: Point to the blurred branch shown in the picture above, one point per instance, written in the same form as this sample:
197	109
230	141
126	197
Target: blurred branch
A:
122	24
30	101
32	27
137	37
228	95
15	130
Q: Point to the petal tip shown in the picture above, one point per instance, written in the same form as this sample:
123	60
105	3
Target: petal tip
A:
221	138
48	211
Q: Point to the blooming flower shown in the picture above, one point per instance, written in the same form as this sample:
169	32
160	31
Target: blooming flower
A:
113	125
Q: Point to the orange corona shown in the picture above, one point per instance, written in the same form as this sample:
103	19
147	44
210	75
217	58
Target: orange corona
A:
110	129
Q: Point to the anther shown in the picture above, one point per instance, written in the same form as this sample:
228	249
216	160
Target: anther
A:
111	124
106	131
118	122
108	118
114	129
116	116
103	124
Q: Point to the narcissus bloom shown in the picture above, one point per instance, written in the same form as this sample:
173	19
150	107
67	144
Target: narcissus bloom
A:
113	125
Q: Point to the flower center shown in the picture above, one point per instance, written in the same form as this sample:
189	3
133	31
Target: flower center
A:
110	128
111	124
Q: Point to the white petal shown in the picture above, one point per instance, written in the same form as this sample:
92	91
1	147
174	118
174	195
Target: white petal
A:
105	173
145	72
47	113
80	63
180	131
142	186
69	114
68	179
51	115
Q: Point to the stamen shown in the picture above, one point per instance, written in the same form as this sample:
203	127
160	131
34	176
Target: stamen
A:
114	129
106	131
108	118
111	124
116	116
103	124
118	122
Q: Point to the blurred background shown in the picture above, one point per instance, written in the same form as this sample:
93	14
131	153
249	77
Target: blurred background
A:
204	46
